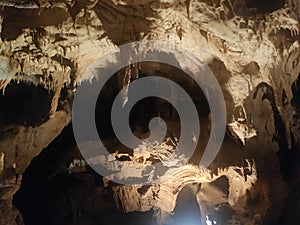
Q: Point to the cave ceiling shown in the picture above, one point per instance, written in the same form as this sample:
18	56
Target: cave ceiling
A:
252	47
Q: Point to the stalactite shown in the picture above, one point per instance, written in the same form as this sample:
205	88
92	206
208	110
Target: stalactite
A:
125	76
1	162
46	43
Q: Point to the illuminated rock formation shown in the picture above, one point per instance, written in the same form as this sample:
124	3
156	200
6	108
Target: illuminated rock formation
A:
251	46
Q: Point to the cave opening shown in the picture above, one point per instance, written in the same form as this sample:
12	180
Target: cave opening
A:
290	157
24	104
147	108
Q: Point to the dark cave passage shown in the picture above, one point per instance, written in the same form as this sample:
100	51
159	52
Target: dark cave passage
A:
24	104
290	158
144	110
53	193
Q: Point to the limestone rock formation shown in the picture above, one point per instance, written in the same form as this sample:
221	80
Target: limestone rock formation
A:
252	47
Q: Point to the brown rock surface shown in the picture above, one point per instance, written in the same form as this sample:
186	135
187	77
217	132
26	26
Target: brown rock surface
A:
252	47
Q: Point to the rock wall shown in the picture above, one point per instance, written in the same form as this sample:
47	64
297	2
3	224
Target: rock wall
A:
251	46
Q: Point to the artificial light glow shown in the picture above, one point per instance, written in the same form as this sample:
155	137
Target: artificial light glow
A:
210	222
